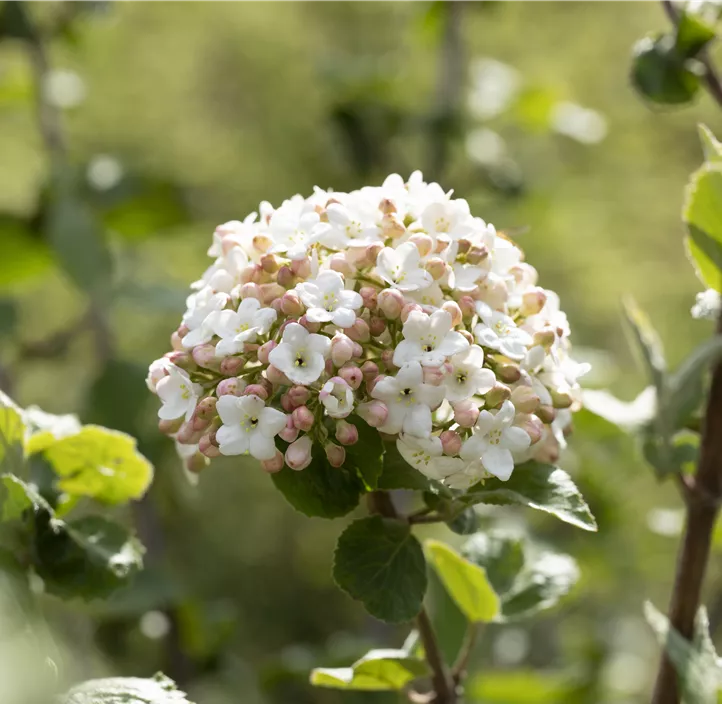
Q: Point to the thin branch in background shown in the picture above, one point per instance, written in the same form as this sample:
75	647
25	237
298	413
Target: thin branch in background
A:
449	89
458	671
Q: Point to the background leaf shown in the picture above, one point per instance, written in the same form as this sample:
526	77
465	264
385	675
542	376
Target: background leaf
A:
379	562
127	690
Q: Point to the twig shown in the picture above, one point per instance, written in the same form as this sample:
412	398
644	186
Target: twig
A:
711	77
702	500
380	502
458	671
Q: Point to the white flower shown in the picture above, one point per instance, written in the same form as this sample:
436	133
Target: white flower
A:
201	306
494	440
327	301
157	371
293	232
467	376
225	272
465	277
337	397
236	327
301	356
400	267
427	455
450	218
351	224
248	426
408	400
178	393
429	298
499	332
707	305
428	339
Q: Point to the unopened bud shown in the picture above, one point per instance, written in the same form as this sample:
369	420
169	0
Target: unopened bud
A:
206	408
533	301
369	295
298	454
341	349
207	447
436	267
423	243
545	338
346	433
301	268
546	414
289	432
256	390
188	435
230	366
299	395
269	263
391	302
392	227
276	376
168	427
352	375
374	413
561	399
434	375
387	359
250	290
285	277
466	413
273	465
496	396
205	356
370	370
524	399
408	309
451	442
271	291
387	206
311	327
339	263
468	307
176	341
197	463
531	425
359	331
377	326
453	309
508	372
291	304
476	254
371	253
264	350
303	419
464	245
335	454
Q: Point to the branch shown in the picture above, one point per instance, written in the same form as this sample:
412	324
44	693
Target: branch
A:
711	77
702	501
458	672
381	503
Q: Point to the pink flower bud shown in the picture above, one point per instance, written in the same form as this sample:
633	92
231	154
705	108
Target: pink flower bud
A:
291	304
264	350
371	253
249	347
183	330
188	435
359	331
508	372
391	226
451	442
298	454
301	268
468	307
230	366
533	301
370	370
352	375
496	396
328	366
346	433
338	263
276	376
287	404
269	263
453	309
531	425
206	408
196	463
464	245
248	275
230	387
335	454
285	277
374	413
176	341
371	383
357	350
561	399
377	326
205	356
303	419
311	327
466	413
289	432
299	395
206	446
387	206
271	291
476	254
250	290
408	309
256	390
274	465
545	338
524	399
547	449
180	359
434	375
436	267
546	414
370	297
390	302
387	359
341	349
423	243
168	427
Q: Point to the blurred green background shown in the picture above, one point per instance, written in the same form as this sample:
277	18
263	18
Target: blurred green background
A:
180	116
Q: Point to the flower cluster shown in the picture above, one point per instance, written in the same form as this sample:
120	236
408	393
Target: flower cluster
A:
390	305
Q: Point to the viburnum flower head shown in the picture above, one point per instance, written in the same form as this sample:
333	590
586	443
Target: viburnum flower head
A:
390	311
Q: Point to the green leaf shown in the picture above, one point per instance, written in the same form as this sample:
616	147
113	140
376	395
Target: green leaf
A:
14	22
77	238
16	496
646	343
702	214
8	317
695	662
127	690
540	486
89	557
693	34
12	435
378	670
464	523
398	473
524	584
379	562
466	582
711	148
100	463
320	490
44	429
660	74
518	687
366	456
23	254
685	387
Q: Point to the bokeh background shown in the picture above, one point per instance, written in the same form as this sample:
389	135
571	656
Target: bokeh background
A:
179	116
